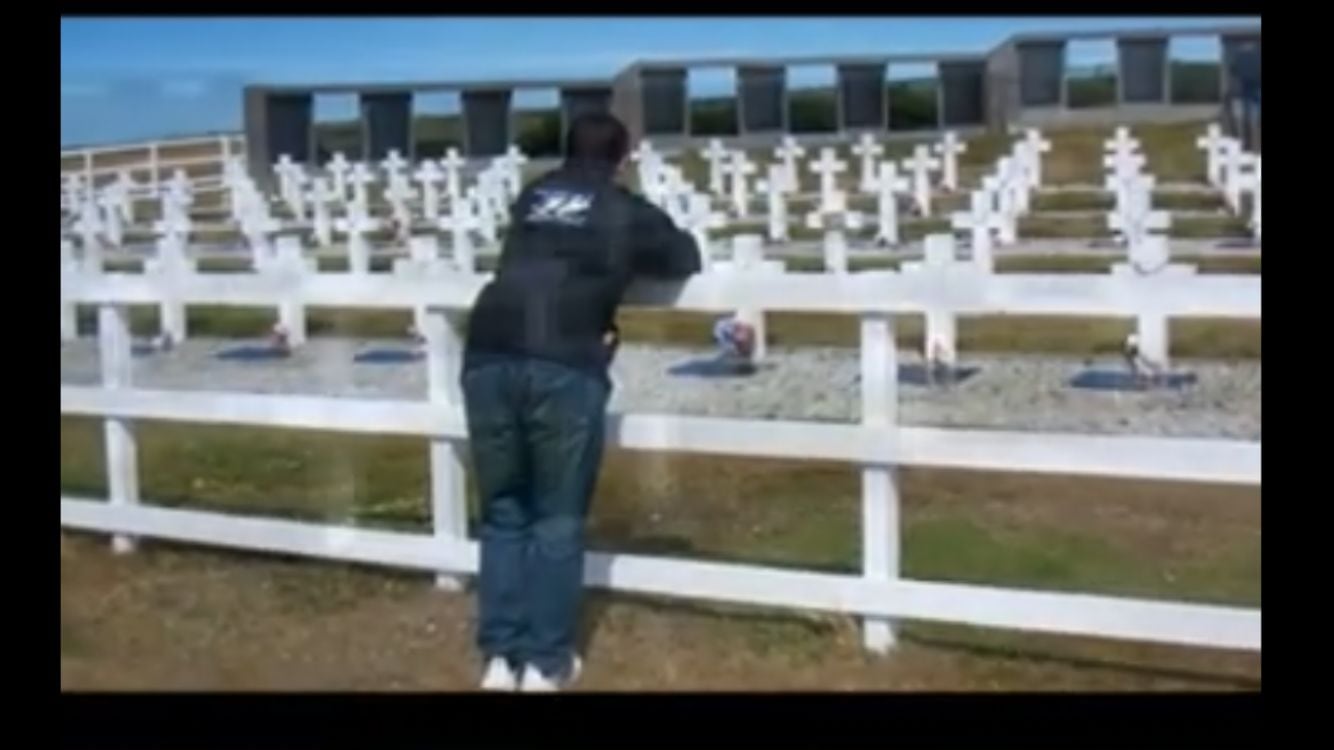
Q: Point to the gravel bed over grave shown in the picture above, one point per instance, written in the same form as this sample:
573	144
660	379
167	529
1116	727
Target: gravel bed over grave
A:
1019	392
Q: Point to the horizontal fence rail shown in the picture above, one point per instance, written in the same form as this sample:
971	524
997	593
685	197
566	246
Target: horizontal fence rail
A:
876	444
966	293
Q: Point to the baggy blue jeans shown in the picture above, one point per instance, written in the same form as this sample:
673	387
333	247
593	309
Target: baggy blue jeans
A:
536	435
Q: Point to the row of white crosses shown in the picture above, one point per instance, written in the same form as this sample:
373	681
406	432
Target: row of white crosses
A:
993	210
1133	217
1226	168
1137	222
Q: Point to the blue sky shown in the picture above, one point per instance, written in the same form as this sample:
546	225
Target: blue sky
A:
132	78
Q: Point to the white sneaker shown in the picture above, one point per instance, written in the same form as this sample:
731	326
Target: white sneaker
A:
499	677
533	681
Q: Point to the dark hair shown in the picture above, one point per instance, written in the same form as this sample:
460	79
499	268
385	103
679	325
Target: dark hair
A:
597	136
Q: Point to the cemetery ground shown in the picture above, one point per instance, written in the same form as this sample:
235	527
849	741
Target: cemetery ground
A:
170	618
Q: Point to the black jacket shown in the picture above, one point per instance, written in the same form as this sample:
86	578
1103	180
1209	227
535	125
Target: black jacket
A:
576	240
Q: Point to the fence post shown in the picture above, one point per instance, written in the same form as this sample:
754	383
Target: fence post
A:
69	318
113	335
156	175
88	169
880	493
449	490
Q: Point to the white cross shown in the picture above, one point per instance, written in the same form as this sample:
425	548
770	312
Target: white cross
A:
480	205
356	225
888	186
120	190
89	224
361	178
1255	192
170	265
748	258
1011	173
514	160
1136	225
175	221
777	204
921	165
1212	144
940	270
788	152
289	259
716	155
867	149
949	150
676	196
1037	146
423	261
393	163
69	318
835	222
979	221
827	167
700	220
322	194
111	218
429	175
452	164
1133	193
1235	162
1122	143
296	194
257	226
738	169
285	168
462	220
398	195
339	167
1007	231
74	192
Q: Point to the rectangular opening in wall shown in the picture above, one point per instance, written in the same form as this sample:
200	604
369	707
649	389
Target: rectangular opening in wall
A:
1041	73
861	97
537	122
338	127
488	121
813	101
386	124
1196	64
713	105
1091	75
438	123
762	99
914	97
963	93
1143	69
663	94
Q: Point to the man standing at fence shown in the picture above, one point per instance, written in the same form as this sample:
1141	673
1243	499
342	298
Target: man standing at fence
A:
535	386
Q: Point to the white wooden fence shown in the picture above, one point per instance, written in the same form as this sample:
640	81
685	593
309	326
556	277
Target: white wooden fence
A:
147	163
878	444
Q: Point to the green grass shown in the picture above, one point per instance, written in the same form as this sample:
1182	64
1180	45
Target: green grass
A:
959	526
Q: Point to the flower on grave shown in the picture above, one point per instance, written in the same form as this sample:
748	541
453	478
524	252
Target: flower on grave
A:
278	337
734	337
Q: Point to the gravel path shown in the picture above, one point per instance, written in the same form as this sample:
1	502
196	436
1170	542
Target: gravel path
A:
1009	392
